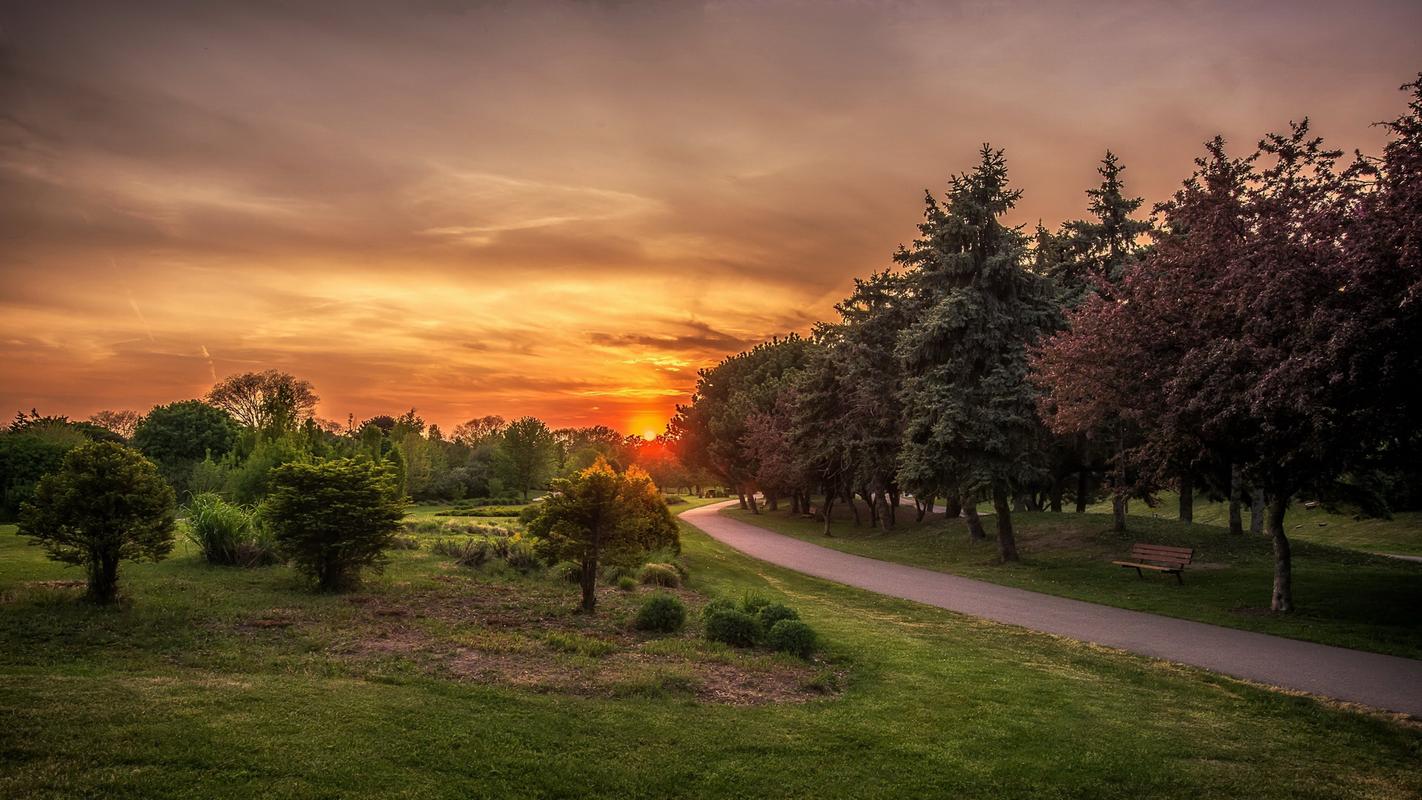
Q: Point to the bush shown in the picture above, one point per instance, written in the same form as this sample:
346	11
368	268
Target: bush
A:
662	613
472	552
735	628
794	637
483	511
615	573
775	612
567	571
674	499
517	554
627	583
752	603
659	575
228	534
106	503
334	518
404	543
717	604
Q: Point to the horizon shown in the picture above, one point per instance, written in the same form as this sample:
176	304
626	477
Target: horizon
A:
565	211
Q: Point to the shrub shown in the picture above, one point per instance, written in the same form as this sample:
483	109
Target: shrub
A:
615	573
674	499
627	583
517	554
659	575
717	604
662	613
752	603
334	518
735	628
472	552
227	533
567	571
404	543
105	504
794	637
482	511
773	613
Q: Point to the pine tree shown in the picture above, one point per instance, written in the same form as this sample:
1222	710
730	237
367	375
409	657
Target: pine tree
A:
970	413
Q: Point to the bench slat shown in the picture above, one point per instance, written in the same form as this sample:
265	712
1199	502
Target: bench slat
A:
1155	567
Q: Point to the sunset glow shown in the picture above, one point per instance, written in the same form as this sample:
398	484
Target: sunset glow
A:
564	212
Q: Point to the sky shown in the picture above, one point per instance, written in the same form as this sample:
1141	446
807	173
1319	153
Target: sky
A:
565	210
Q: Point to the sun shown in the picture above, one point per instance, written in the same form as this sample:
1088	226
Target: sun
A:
649	434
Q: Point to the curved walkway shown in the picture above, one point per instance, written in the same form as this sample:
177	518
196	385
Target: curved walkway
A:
1381	681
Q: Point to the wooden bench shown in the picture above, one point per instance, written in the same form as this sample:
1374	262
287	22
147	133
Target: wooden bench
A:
1158	558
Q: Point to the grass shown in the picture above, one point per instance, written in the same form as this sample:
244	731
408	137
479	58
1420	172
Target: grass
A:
181	694
1401	535
1343	597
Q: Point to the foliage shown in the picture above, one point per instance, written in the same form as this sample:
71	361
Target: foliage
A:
602	516
178	436
122	423
526	454
627	583
775	612
267	401
105	504
227	533
792	636
662	613
659	575
717	604
732	627
474	551
28	455
334	518
567	572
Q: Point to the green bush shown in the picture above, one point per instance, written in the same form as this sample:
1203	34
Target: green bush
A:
773	613
662	613
517	554
483	511
227	533
794	637
735	628
674	499
716	604
472	552
627	583
659	575
613	574
567	571
404	543
334	518
752	603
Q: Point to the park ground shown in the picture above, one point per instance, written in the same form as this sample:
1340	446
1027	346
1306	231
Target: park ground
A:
1345	595
223	682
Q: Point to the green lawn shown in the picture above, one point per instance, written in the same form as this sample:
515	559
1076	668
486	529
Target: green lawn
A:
1402	534
177	695
1343	597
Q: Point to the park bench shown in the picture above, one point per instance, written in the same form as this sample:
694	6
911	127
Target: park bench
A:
1158	558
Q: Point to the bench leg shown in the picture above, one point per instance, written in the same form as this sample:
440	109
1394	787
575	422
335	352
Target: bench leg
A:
1139	574
1180	578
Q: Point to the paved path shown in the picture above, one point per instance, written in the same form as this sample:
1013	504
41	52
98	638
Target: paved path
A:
1386	682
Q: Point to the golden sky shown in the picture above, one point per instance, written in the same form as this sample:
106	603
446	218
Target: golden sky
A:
566	209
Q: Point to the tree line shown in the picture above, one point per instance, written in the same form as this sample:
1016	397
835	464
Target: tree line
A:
1256	338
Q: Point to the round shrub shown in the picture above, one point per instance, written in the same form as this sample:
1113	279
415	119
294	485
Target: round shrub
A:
753	603
627	583
735	628
717	604
659	575
614	574
662	613
773	613
794	637
567	572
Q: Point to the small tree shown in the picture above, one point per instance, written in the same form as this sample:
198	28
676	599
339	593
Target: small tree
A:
602	516
526	453
179	435
106	504
334	518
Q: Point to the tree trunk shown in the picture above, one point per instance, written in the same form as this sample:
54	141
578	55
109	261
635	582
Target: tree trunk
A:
829	509
853	507
1083	487
742	496
772	501
1119	505
1283	599
952	506
1006	543
1256	510
754	507
1187	497
588	579
975	525
103	578
1054	500
1236	495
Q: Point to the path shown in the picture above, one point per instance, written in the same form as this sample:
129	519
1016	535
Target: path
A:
1381	681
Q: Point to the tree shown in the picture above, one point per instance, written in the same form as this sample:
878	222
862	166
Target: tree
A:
122	423
970	413
262	400
601	516
106	504
527	453
178	435
479	430
334	518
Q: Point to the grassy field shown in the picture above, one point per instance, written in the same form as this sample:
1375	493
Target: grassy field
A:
219	682
1343	597
1402	534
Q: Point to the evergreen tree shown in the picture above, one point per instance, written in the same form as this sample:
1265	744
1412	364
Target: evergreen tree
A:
970	413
